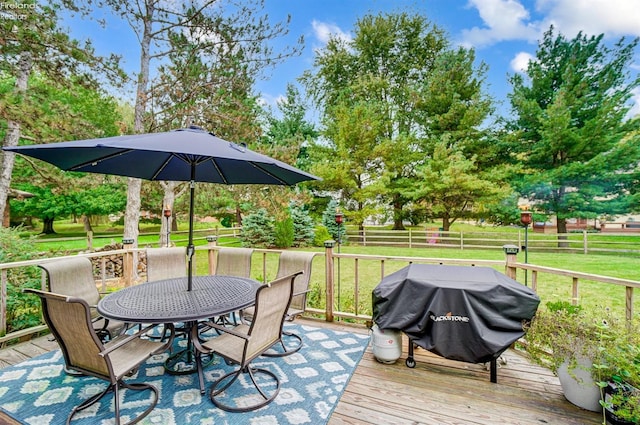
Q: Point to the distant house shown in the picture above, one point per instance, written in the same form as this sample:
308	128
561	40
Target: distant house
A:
620	224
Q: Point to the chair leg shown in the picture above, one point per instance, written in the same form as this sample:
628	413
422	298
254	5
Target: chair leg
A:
136	386
267	398
285	351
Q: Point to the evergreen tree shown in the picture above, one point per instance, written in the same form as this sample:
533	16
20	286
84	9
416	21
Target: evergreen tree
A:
303	232
571	128
258	230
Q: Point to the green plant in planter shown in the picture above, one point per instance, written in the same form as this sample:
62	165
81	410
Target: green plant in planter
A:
563	333
619	375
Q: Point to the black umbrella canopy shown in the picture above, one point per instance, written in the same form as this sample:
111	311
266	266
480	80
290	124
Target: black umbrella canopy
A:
179	155
187	154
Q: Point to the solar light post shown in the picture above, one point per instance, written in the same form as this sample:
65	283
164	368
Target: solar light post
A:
167	215
339	220
525	219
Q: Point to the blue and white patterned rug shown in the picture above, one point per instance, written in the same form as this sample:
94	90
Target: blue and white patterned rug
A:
39	392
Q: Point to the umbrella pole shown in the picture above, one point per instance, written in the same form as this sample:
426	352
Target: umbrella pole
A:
190	247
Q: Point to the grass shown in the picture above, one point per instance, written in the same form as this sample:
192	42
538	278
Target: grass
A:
550	287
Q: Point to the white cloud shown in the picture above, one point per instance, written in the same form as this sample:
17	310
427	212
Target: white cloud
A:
614	18
520	62
504	20
323	31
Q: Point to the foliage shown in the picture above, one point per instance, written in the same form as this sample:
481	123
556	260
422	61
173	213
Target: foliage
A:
571	129
336	231
367	89
23	311
619	374
303	232
565	332
453	187
321	234
284	233
258	230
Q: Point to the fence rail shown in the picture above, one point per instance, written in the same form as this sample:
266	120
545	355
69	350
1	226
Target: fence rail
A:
574	242
340	278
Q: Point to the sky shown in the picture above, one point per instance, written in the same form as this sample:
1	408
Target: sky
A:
504	33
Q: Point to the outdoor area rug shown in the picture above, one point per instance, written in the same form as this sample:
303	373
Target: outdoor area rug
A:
39	392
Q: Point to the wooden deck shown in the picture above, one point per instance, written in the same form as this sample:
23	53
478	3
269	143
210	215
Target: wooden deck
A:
437	391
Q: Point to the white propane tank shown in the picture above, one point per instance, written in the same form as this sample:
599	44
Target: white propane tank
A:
387	344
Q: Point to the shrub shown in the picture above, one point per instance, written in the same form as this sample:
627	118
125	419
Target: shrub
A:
284	233
258	230
303	232
321	234
23	310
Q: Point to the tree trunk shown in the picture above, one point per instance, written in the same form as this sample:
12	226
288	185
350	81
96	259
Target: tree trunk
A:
12	135
168	202
238	216
561	228
47	226
397	214
87	224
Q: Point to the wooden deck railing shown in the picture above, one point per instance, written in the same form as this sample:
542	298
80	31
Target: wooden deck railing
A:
341	274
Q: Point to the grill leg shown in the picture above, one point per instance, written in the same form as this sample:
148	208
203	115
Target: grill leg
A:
494	371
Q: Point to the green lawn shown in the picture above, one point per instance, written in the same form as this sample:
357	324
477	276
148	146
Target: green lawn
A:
550	287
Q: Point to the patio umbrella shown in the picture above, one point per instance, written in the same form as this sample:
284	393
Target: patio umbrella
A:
188	154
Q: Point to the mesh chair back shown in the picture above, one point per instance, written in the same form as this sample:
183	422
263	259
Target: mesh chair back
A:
166	263
272	302
74	277
234	262
295	261
69	320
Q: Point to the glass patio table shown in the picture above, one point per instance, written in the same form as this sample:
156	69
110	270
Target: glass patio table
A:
169	300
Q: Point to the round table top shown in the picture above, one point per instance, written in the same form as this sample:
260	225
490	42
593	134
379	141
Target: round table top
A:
168	301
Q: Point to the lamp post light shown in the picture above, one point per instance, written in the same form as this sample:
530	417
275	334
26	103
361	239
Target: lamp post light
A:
339	218
525	219
167	214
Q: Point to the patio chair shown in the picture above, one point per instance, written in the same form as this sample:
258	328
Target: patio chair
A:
245	342
166	263
290	262
74	277
233	262
69	319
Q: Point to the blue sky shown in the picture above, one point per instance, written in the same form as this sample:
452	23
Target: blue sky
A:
504	33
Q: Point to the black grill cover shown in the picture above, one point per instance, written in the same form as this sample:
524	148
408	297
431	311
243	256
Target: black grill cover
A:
470	314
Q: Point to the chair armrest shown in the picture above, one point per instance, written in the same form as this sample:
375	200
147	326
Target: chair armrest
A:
301	292
126	338
195	336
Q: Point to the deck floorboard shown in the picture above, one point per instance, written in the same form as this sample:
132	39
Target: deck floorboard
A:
437	391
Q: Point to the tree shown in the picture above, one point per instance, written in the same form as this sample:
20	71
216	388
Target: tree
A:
199	29
378	74
571	128
452	187
32	42
464	172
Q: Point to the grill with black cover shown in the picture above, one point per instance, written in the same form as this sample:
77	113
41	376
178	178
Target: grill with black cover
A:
466	313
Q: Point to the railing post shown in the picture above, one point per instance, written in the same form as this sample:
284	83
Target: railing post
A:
3	301
212	240
127	261
328	245
511	252
585	242
629	304
574	291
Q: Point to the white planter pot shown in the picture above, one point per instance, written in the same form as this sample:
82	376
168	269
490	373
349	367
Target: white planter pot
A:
578	385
